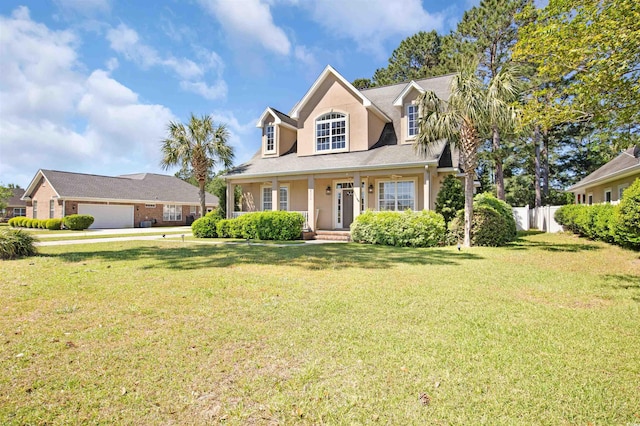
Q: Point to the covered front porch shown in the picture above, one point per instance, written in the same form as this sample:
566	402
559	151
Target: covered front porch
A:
332	201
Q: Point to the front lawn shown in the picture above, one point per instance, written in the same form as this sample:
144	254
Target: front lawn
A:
545	331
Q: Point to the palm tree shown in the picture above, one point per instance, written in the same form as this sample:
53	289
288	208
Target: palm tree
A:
463	120
199	147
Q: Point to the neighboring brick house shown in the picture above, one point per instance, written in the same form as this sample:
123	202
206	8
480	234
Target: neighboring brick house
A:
606	184
341	151
125	201
15	205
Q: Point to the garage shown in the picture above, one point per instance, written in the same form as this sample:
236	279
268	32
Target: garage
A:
108	216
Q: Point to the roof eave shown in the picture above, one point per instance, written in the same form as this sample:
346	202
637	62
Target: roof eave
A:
629	171
28	192
398	101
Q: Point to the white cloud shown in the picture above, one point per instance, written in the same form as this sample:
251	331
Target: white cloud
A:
251	21
126	41
305	56
372	22
54	115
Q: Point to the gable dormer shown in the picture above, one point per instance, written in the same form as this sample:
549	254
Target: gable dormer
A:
279	132
407	102
334	116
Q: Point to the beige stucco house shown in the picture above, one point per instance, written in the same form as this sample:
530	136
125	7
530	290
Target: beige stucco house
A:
341	151
606	184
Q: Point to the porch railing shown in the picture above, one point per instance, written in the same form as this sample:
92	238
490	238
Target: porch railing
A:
304	214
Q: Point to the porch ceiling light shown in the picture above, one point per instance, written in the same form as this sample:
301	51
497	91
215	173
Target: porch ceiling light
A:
370	188
328	191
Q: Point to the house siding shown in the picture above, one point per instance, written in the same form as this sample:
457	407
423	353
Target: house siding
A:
598	190
333	96
43	194
409	99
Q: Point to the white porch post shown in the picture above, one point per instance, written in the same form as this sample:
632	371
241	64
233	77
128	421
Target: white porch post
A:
357	194
311	202
230	199
427	188
275	194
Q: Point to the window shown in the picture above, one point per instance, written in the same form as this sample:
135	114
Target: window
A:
271	140
412	120
590	199
621	189
267	198
607	195
171	212
19	211
193	211
52	210
396	195
35	209
331	132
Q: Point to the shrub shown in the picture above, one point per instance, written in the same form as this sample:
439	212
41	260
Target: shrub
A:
205	227
216	214
13	222
627	217
450	198
488	228
27	223
16	243
54	224
223	228
401	229
501	207
78	222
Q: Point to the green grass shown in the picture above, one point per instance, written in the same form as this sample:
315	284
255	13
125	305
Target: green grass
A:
545	331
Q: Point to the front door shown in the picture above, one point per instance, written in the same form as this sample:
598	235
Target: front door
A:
347	207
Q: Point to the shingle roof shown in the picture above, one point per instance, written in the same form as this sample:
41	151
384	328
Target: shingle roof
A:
627	162
284	117
15	200
388	156
149	187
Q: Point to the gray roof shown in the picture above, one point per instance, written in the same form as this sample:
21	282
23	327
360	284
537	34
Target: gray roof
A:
627	162
145	187
15	199
384	96
386	156
284	117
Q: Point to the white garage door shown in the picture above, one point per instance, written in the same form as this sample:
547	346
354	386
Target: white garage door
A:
108	216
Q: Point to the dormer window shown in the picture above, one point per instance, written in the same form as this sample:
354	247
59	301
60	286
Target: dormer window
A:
270	133
412	121
331	132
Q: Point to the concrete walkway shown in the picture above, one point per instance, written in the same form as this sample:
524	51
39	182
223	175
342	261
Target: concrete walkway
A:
170	233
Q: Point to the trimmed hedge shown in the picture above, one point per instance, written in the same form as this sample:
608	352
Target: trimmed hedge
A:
271	225
401	229
488	228
619	224
78	222
54	224
16	243
505	210
24	222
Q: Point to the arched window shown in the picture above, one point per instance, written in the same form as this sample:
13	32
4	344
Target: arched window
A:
331	132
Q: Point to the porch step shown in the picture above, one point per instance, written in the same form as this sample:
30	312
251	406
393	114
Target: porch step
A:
333	235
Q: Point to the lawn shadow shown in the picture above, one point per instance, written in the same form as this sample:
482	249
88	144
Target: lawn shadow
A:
311	257
525	244
627	283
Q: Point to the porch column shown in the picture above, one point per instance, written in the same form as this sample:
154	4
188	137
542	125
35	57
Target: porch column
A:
230	199
427	188
275	194
311	203
357	194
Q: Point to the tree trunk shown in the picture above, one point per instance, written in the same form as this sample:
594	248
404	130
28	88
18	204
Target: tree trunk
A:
203	209
497	160
536	141
468	206
545	150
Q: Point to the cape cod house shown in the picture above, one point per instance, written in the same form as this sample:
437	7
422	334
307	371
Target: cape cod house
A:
341	151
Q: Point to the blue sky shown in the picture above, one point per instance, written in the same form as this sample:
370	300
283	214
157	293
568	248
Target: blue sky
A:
89	86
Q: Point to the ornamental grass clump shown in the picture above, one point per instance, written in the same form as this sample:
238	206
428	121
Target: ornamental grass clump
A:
15	243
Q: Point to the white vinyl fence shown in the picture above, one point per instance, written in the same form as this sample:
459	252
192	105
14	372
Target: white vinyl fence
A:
540	218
